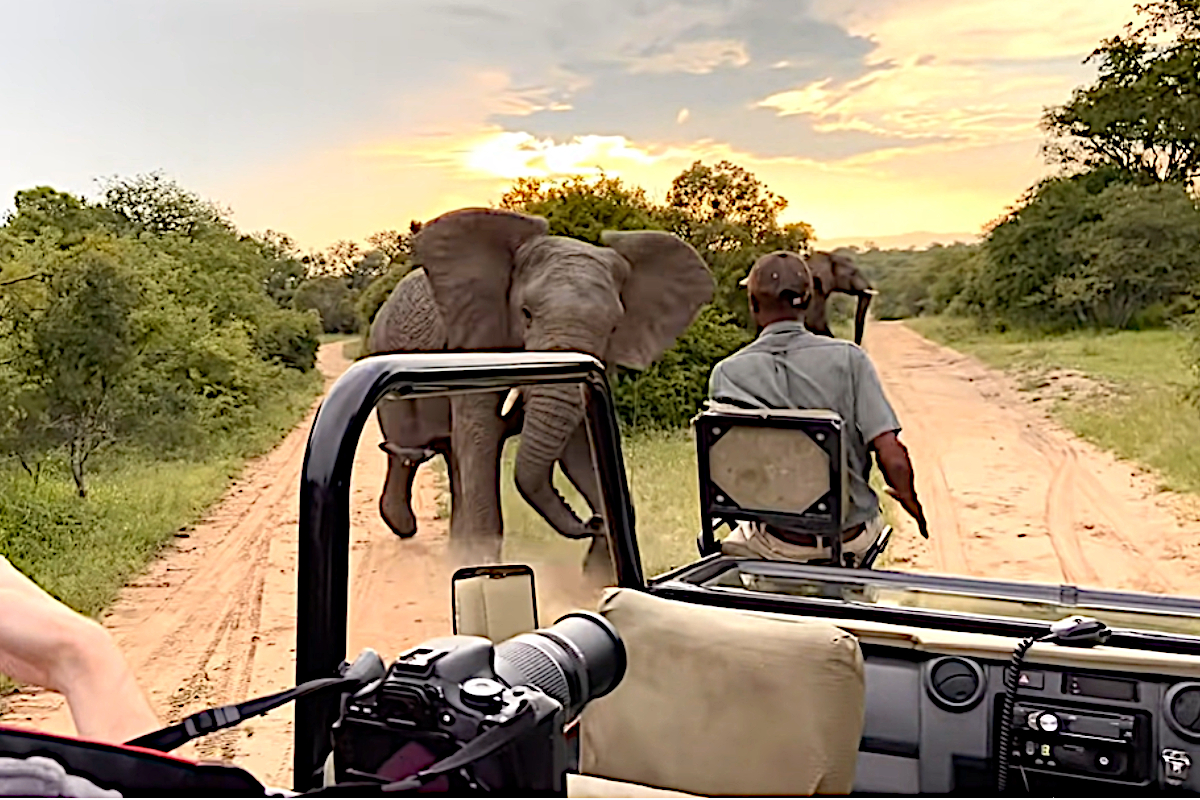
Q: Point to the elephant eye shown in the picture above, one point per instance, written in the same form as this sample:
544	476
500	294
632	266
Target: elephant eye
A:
526	313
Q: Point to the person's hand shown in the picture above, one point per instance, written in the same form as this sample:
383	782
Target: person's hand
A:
45	643
913	507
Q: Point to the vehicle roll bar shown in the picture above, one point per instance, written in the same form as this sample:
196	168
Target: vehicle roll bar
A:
324	534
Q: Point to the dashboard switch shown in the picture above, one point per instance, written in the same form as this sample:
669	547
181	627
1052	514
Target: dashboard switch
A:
1048	722
1178	764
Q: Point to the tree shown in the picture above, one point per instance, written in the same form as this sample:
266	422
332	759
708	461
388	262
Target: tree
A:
78	350
1142	114
581	207
332	300
156	204
1144	250
57	219
286	271
729	194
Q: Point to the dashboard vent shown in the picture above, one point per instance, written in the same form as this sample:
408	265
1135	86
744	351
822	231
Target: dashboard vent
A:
1183	709
954	683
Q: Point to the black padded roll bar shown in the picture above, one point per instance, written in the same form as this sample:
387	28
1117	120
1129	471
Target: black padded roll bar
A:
322	576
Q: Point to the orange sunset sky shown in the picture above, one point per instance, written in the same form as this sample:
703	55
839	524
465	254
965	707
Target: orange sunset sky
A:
332	119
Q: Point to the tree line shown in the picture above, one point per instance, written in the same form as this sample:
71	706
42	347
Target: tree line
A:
141	321
1112	240
145	321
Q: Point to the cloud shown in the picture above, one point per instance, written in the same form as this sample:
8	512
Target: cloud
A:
695	58
994	30
682	116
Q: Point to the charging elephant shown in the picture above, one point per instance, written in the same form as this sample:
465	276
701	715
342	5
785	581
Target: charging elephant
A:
489	279
836	273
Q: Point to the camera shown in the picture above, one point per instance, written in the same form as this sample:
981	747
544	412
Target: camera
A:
496	711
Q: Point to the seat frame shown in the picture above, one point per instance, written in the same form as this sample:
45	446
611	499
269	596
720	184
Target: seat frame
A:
824	518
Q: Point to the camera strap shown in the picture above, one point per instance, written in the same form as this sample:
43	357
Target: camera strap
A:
214	719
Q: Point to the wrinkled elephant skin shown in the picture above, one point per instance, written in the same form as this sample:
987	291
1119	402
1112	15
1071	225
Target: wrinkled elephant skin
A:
488	279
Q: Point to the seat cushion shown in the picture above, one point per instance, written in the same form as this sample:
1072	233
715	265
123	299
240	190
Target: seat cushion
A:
591	786
720	702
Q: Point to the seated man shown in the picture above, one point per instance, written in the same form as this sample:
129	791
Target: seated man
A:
787	367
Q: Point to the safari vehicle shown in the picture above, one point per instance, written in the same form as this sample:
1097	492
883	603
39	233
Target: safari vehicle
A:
723	676
750	677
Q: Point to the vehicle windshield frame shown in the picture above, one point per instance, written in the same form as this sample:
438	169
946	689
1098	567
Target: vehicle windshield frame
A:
697	582
322	573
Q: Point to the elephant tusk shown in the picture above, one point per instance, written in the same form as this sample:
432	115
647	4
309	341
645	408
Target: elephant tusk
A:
510	402
871	292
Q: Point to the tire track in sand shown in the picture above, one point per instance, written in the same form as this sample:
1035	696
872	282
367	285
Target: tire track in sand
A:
1019	496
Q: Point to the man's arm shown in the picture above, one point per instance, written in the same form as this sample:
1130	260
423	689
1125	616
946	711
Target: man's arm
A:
894	463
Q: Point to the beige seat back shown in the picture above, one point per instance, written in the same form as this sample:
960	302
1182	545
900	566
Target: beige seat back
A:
720	702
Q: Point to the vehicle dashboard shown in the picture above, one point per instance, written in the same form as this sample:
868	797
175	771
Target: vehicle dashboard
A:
932	727
1110	719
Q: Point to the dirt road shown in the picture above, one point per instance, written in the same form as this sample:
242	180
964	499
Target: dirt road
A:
1009	494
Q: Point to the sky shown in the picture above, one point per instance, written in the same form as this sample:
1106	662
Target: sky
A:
883	120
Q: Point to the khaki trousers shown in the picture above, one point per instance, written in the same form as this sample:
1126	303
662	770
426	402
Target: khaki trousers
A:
748	540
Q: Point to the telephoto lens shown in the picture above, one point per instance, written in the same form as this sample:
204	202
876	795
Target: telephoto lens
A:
576	660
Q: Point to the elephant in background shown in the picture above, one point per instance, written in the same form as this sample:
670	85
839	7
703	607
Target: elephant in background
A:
836	273
489	279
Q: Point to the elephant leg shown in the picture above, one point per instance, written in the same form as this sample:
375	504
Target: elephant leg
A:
476	525
413	431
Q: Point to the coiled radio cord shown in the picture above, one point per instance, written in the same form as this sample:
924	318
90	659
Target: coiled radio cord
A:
1070	632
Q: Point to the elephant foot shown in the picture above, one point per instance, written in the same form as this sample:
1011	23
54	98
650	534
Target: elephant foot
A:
405	528
598	563
474	552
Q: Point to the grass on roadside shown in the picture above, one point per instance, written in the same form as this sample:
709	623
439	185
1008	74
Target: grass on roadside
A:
1147	418
84	551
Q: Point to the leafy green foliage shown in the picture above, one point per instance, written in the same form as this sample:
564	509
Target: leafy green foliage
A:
1142	115
582	208
372	298
1090	251
145	323
332	300
915	283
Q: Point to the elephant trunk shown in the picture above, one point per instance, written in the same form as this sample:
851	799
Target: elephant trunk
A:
860	314
552	413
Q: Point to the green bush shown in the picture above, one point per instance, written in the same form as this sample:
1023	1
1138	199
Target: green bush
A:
289	338
333	301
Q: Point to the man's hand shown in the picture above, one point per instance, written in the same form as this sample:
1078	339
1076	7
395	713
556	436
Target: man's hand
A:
913	506
897	470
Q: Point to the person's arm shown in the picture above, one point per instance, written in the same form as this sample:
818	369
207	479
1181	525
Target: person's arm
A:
894	463
46	643
878	423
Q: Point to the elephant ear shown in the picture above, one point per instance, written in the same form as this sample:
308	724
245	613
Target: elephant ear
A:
820	265
666	287
469	257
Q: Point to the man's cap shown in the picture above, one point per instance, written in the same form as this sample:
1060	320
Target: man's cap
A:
779	276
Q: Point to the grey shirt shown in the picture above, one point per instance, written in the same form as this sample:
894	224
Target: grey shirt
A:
787	366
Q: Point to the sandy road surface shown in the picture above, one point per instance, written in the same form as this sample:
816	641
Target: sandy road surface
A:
1009	494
